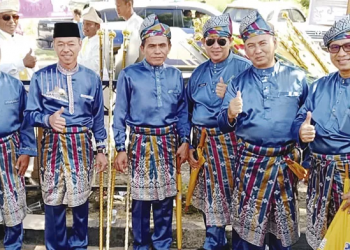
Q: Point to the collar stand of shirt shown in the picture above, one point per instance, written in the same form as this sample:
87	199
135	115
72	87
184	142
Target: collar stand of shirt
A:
220	65
153	68
67	72
344	81
267	71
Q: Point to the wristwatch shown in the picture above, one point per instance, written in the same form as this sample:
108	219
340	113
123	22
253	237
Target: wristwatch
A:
101	150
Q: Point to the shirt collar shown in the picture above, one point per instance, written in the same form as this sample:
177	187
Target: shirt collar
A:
222	64
344	81
267	71
66	71
151	67
6	35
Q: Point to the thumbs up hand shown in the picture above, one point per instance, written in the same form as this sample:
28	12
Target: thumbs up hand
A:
236	106
29	61
57	122
307	131
221	88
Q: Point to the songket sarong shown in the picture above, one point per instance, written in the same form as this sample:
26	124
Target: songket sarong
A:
152	161
265	194
66	166
213	192
323	199
12	195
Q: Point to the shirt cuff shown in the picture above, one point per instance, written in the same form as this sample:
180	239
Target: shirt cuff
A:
185	139
100	144
120	147
233	124
28	151
46	121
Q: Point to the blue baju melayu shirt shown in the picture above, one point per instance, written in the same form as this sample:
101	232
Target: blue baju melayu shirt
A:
150	96
204	104
13	98
329	103
271	99
79	91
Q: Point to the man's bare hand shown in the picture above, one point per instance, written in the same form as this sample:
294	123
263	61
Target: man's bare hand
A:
29	61
121	162
57	122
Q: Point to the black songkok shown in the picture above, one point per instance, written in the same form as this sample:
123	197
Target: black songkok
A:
66	30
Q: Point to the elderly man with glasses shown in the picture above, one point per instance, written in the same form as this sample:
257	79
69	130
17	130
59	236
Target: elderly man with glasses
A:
16	56
261	105
324	123
205	92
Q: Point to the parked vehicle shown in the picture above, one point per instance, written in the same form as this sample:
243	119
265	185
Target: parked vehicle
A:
272	12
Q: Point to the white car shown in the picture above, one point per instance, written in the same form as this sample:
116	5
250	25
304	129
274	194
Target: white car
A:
272	12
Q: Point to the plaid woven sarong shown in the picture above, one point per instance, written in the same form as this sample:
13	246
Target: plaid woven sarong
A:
152	160
214	187
265	194
13	195
66	166
326	183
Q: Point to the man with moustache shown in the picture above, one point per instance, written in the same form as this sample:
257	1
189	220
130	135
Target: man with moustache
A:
205	92
260	105
65	99
151	101
324	123
17	58
132	24
17	143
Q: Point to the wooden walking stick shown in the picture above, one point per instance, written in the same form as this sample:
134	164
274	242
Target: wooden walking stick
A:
178	204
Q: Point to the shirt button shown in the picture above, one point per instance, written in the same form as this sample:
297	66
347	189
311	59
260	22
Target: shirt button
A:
215	71
333	110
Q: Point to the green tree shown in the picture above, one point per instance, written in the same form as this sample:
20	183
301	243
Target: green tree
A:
305	3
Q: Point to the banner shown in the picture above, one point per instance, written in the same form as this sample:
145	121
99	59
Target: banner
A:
44	8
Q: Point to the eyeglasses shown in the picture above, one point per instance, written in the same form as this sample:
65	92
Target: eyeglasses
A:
221	41
8	17
335	48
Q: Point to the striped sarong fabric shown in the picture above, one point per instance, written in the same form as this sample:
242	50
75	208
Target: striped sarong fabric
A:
66	166
265	194
152	161
214	187
12	196
323	199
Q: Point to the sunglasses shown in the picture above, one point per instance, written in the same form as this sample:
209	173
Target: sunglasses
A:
8	17
335	48
221	41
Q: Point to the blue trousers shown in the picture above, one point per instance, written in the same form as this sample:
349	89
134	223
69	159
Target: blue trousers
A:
56	230
215	237
270	240
13	237
162	217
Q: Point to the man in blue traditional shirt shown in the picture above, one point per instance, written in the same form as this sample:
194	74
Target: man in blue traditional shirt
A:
205	92
324	123
66	100
151	100
261	104
17	143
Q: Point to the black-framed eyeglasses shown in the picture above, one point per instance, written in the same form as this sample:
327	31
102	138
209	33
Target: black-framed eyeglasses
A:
335	48
8	17
221	41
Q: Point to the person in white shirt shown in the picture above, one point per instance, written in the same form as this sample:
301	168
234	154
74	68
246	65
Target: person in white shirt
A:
133	24
89	55
17	57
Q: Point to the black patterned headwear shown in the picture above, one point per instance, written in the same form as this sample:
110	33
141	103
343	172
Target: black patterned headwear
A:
340	30
66	30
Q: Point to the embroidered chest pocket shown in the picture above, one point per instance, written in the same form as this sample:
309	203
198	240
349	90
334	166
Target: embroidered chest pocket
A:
9	102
